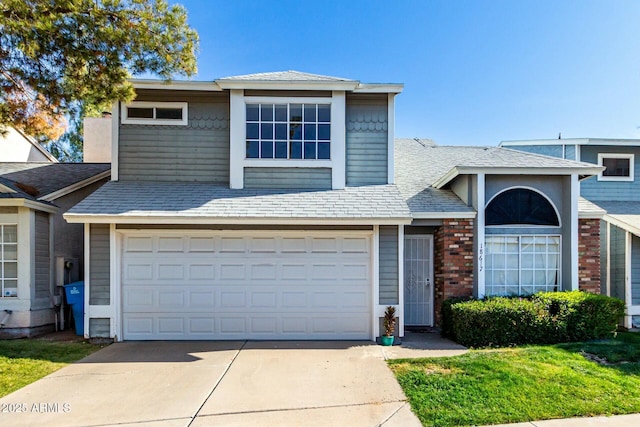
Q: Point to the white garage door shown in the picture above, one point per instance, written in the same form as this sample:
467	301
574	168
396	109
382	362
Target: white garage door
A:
201	285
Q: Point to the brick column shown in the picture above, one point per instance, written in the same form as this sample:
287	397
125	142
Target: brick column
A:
453	261
589	255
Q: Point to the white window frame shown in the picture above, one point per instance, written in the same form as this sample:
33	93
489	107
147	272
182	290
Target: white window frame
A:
288	103
630	157
125	119
489	283
2	262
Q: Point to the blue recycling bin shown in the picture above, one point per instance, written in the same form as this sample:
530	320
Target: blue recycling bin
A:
75	298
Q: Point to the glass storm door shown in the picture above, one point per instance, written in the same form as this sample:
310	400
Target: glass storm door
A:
418	280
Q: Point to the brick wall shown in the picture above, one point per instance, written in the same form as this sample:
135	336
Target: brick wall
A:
453	261
589	255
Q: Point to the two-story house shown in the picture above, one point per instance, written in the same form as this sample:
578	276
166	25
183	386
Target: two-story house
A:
279	206
616	191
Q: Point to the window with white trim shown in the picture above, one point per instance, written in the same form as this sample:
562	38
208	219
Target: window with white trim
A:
9	260
522	264
155	113
619	167
288	131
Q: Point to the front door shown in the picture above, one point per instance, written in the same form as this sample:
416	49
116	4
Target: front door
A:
418	280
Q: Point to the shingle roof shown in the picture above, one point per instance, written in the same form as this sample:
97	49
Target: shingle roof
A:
290	75
187	200
586	207
50	177
420	164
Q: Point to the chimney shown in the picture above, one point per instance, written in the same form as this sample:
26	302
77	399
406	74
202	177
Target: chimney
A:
97	139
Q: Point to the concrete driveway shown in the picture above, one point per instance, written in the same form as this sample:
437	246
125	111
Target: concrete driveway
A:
217	383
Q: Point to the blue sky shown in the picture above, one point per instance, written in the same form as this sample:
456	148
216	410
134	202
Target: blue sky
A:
475	72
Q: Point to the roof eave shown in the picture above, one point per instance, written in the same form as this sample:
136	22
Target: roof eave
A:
379	88
583	171
31	204
619	223
444	215
175	85
174	220
78	185
288	85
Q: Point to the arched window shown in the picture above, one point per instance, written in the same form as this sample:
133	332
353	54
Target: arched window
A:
527	262
521	206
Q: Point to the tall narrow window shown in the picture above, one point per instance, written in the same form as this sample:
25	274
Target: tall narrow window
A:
9	260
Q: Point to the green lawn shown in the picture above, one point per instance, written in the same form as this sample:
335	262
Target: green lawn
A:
24	361
525	383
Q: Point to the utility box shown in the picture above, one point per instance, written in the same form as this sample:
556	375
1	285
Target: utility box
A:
75	298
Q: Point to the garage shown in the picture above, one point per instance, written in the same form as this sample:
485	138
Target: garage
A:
228	285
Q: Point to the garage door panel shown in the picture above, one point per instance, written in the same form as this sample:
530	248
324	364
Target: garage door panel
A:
196	286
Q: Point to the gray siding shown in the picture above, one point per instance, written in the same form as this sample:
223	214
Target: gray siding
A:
593	189
288	178
570	152
635	270
366	140
560	151
99	264
43	255
617	267
196	152
388	266
603	258
99	328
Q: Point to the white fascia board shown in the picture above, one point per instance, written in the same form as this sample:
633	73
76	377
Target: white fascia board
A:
175	85
618	223
591	215
443	215
525	142
29	204
287	85
379	88
174	220
574	141
5	189
78	185
584	172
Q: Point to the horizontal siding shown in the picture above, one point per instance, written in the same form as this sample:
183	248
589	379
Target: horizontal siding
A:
288	178
366	140
592	189
635	270
198	152
388	266
618	262
8	210
99	327
547	150
289	93
43	256
99	264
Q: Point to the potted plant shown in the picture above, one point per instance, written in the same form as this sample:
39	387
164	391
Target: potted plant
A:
389	325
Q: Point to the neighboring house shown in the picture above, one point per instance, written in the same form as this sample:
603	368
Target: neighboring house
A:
265	206
34	237
616	191
16	146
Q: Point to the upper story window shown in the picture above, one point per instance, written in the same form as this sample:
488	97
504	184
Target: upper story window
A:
9	260
155	113
288	131
619	167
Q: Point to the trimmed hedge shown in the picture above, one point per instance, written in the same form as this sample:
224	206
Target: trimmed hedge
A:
543	318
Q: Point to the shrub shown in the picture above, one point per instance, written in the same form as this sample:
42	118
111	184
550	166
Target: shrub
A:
543	318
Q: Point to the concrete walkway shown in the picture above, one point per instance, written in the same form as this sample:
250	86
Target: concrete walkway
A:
225	383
